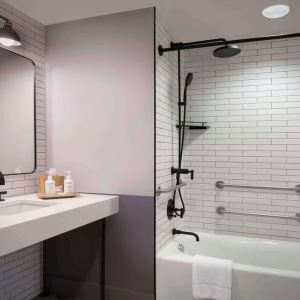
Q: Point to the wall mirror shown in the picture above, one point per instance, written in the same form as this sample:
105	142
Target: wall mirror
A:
17	114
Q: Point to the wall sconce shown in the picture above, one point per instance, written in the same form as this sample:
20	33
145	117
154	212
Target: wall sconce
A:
8	36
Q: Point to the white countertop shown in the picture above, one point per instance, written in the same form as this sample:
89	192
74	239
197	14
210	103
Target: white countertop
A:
62	215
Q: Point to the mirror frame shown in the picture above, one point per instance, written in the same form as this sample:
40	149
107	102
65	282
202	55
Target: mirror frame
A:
34	111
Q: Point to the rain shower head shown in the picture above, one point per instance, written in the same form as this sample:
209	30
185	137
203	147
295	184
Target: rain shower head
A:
227	51
189	79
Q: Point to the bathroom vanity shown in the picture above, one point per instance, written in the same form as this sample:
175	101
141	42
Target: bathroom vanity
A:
26	220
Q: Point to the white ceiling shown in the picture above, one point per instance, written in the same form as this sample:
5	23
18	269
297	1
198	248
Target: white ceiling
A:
189	20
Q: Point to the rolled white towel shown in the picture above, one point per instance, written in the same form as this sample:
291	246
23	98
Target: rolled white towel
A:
212	278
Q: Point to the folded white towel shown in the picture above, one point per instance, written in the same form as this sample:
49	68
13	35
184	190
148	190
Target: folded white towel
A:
212	278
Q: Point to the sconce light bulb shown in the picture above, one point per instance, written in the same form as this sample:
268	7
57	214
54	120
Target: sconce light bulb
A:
6	42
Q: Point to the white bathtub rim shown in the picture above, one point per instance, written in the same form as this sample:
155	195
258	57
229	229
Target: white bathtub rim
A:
171	253
234	237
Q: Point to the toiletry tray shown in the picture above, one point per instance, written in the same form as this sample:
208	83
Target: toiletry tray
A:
57	196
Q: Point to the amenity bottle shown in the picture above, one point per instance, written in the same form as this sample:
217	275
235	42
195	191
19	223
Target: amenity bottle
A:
68	183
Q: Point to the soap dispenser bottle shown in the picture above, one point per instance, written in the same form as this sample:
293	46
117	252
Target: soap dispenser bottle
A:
68	183
49	183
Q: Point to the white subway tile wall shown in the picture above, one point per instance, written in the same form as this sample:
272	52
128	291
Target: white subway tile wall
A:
166	134
21	272
252	104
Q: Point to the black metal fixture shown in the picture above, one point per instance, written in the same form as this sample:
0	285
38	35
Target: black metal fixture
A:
228	46
182	171
172	211
188	82
8	36
227	51
2	182
175	231
194	125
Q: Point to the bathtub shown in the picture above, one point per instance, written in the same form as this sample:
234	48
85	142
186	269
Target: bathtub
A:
262	269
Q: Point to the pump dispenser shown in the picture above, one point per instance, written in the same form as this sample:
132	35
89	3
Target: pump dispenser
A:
49	183
68	183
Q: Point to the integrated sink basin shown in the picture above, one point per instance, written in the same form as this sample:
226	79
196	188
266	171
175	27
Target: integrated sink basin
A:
21	206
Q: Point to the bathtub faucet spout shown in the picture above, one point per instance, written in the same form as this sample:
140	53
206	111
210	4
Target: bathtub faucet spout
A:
175	231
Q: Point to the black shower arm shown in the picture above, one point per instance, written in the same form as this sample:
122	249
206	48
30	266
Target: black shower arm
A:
221	42
172	44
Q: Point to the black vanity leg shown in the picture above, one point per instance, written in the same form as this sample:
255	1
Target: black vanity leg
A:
103	225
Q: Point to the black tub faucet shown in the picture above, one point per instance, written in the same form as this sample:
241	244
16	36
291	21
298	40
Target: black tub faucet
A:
2	182
175	231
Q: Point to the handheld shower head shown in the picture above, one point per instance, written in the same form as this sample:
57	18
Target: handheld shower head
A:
189	79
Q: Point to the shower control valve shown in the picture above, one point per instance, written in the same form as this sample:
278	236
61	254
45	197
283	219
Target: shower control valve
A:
173	212
182	171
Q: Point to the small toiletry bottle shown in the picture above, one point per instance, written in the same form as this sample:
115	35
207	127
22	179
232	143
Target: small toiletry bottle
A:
68	183
50	184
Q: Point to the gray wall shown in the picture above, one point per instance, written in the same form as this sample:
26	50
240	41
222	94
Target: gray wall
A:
73	263
100	83
100	93
130	254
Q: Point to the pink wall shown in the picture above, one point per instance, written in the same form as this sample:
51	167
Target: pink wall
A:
100	77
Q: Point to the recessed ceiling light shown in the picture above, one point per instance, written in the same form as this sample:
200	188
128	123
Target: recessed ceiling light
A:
276	11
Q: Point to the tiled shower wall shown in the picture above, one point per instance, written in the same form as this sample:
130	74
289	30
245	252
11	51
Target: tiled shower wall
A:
252	104
166	135
20	272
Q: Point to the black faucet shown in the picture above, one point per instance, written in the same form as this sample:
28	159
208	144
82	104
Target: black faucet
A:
2	182
175	231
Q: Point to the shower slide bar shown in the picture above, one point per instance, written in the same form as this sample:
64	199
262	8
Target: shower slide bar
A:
160	191
220	185
221	210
